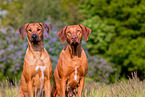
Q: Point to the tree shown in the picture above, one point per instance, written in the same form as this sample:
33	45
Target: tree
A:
127	16
101	35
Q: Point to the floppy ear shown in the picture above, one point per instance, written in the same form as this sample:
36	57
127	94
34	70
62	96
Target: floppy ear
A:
62	35
22	30
46	29
85	31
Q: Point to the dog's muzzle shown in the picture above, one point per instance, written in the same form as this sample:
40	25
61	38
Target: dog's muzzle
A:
74	40
34	39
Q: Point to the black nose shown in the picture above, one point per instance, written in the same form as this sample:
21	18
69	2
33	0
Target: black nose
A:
34	36
73	37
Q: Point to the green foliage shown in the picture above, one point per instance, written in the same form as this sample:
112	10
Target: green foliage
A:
129	54
71	14
100	37
127	17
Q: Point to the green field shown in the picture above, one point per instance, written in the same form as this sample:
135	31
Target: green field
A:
131	88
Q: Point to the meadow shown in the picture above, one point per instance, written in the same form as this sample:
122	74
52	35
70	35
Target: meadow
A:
131	88
115	47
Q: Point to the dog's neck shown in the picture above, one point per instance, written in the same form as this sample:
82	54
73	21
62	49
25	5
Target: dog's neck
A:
35	49
74	50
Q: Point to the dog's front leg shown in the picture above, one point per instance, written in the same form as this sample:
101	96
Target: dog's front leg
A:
30	89
63	87
47	88
80	88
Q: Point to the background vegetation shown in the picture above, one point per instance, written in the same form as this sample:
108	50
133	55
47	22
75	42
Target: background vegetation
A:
115	47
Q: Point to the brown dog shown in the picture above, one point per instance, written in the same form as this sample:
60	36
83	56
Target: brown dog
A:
37	68
72	64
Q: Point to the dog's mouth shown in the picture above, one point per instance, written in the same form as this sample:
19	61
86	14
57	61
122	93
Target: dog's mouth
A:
34	41
74	43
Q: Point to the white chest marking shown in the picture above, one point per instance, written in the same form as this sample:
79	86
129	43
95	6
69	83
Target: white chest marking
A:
75	77
42	68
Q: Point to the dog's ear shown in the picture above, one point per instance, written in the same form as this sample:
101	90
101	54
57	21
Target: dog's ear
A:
46	29
85	31
22	30
62	35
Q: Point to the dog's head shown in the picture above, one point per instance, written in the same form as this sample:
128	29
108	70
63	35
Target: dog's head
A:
34	31
73	34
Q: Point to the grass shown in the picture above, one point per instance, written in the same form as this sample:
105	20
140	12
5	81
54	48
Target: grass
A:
9	90
131	88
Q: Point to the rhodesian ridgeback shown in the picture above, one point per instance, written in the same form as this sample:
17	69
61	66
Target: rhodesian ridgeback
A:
72	64
37	67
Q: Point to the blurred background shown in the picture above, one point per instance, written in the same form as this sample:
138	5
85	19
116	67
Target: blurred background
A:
116	46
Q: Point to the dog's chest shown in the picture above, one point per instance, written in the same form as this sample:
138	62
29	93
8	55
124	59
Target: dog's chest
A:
74	75
38	68
38	72
74	68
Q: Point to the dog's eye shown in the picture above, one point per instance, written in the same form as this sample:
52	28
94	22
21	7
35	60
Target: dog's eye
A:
78	30
30	30
38	29
68	32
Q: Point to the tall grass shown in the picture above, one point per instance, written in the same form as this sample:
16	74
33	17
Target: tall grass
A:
8	89
131	88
